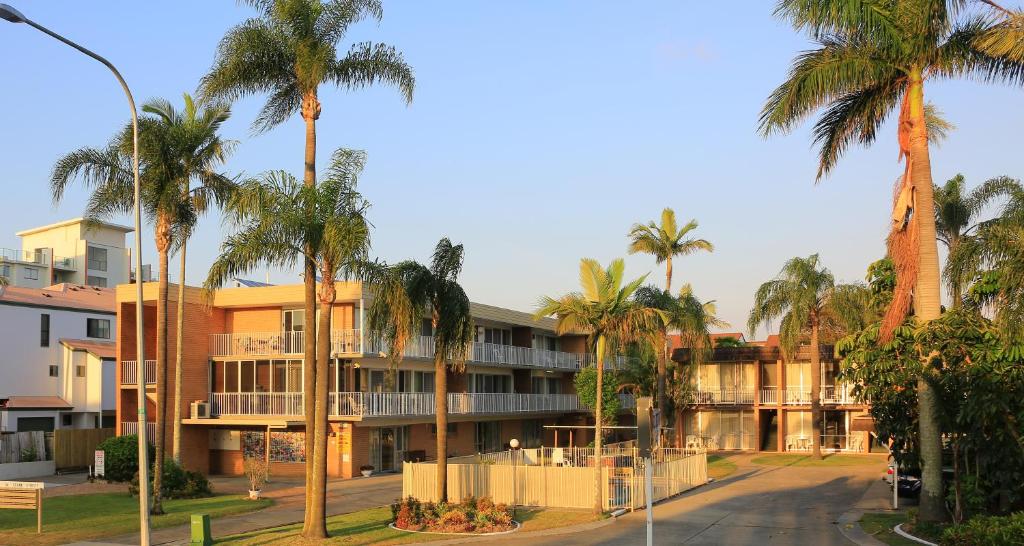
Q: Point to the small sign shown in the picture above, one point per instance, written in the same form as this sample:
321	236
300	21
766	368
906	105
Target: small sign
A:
21	485
98	469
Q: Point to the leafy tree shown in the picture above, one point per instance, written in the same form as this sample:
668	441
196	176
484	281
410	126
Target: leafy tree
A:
281	222
403	295
873	57
586	388
729	341
605	310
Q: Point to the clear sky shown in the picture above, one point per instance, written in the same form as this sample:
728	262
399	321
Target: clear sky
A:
540	131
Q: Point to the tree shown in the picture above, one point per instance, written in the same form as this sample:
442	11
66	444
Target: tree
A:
605	310
288	51
806	298
164	161
586	389
956	211
665	241
201	151
402	295
872	57
283	222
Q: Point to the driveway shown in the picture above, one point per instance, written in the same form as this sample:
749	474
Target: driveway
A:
756	505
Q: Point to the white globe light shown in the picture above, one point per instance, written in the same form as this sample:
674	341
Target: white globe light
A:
514	443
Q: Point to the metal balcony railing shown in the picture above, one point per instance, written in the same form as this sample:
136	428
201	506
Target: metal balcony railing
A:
130	372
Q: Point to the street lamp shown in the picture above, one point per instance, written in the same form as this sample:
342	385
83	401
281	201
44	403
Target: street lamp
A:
514	444
12	15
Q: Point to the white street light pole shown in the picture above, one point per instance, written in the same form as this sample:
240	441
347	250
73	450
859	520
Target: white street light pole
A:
12	15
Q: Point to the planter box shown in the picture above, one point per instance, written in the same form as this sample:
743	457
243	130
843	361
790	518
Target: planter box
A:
15	471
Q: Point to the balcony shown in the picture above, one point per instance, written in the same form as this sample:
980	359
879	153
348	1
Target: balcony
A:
830	443
838	394
130	373
724	397
769	396
132	427
13	255
279	343
796	396
64	262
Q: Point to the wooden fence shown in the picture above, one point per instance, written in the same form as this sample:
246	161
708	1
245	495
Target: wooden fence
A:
14	447
555	486
75	448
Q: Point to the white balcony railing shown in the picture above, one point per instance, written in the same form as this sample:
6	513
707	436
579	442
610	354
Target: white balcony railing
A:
256	403
132	427
797	396
130	372
830	443
278	343
769	396
725	397
14	255
838	394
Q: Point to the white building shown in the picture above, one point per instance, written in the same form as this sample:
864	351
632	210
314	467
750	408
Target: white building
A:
73	251
57	367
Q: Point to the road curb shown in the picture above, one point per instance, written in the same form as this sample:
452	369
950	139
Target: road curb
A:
850	528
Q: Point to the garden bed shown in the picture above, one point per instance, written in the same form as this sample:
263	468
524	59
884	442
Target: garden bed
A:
472	516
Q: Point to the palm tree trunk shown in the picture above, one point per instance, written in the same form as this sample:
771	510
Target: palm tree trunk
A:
815	389
310	113
662	365
163	243
927	305
956	289
441	411
179	349
668	274
598	429
317	491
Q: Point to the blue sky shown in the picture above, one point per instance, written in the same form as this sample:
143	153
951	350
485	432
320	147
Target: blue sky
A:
540	131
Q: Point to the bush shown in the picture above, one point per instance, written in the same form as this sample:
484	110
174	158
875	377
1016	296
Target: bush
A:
178	483
472	515
986	531
121	457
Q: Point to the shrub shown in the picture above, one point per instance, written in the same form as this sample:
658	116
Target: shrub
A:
121	457
257	471
471	515
178	483
986	531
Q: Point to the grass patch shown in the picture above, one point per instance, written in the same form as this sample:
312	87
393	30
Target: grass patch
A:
75	518
880	526
789	459
720	466
371	527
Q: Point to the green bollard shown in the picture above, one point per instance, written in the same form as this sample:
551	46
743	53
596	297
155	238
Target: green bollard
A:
201	535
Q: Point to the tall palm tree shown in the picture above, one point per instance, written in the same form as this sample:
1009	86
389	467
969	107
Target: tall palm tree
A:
288	51
956	211
201	150
606	311
806	298
873	57
279	219
108	172
664	241
403	294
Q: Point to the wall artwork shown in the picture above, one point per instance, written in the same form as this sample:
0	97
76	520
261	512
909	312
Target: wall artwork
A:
287	447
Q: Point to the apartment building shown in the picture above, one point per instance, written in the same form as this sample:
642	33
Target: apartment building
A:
242	382
57	368
74	251
749	397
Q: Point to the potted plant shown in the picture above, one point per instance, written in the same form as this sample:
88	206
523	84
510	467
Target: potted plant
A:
366	470
257	470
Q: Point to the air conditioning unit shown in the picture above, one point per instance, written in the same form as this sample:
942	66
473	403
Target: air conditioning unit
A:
200	410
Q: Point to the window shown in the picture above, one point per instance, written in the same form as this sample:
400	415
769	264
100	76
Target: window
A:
97	328
488	437
79	371
44	330
533	433
491	383
65	419
426	327
96	281
497	336
31	274
53	370
97	259
452	429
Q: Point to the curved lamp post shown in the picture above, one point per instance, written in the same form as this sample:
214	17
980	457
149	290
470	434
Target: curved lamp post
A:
12	15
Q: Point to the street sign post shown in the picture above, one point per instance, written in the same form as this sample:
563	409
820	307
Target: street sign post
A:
645	417
100	463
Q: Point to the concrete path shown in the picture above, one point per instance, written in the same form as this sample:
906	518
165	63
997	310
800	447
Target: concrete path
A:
756	505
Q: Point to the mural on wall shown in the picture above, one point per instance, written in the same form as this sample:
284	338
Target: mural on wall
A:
288	447
253	444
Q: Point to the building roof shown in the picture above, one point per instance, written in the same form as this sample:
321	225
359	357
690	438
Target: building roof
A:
99	349
250	284
64	295
735	335
509	316
36	403
73	221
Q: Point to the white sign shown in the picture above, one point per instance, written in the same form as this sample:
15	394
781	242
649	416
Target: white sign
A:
100	461
21	485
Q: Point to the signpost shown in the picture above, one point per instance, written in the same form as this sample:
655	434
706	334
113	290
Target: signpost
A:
647	420
98	470
23	496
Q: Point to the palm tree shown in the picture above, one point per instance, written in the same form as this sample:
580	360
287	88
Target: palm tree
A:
665	241
162	162
873	57
606	311
805	296
956	210
201	151
288	51
279	220
403	294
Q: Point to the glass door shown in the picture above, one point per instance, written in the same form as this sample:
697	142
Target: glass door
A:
387	449
293	322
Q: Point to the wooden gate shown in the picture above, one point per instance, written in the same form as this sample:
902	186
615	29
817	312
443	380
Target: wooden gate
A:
75	447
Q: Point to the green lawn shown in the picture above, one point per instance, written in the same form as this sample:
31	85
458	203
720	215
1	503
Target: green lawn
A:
789	459
84	517
720	466
371	527
880	526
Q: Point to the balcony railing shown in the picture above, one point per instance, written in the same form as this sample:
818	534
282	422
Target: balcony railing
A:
726	397
769	396
838	394
725	440
797	396
256	403
13	255
278	343
64	262
831	443
130	372
132	427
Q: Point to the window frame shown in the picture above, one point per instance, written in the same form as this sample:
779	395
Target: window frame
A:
44	329
98	322
105	262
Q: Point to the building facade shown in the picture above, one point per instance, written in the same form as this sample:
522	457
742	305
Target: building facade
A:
242	382
750	397
73	251
57	368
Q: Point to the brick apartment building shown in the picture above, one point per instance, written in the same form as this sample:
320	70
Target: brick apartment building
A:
242	383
